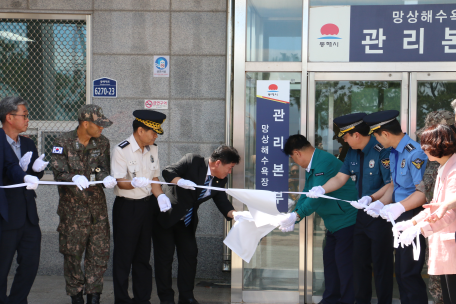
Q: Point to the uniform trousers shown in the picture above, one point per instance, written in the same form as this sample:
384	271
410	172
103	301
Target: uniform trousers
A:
338	267
373	245
92	242
166	241
412	288
27	242
448	288
132	232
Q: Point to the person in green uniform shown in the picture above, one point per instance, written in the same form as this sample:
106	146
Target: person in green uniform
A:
339	217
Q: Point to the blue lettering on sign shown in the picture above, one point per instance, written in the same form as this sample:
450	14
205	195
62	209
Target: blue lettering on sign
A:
403	32
271	163
104	87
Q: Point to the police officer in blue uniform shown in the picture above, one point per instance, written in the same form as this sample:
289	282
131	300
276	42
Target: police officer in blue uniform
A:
366	163
407	165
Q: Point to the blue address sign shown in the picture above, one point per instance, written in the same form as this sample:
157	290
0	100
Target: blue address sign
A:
105	87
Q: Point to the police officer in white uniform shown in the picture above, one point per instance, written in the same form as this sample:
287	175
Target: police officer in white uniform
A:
134	163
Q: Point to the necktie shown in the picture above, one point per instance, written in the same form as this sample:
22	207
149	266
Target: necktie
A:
396	157
188	216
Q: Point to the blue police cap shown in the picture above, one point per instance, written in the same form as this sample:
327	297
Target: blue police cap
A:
378	119
348	122
151	119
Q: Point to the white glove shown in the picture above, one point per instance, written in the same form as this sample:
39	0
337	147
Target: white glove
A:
140	182
402	226
163	202
374	208
81	181
39	164
32	181
408	235
109	182
25	161
315	192
239	214
287	229
392	211
362	202
286	220
186	184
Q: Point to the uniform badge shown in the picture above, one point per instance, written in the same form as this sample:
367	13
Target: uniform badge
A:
94	143
77	145
403	163
151	159
98	169
319	174
418	163
353	163
371	163
57	150
386	163
353	177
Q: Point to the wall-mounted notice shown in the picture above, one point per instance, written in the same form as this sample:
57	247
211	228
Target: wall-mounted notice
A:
161	66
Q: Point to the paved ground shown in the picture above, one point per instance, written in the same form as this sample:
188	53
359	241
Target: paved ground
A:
51	290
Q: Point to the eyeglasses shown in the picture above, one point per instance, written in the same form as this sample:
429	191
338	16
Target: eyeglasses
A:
294	171
25	116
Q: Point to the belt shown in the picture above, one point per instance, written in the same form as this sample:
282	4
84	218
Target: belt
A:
137	200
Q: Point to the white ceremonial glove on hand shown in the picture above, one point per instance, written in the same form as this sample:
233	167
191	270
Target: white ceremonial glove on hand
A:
392	211
286	220
374	208
238	214
402	226
186	184
39	164
25	161
362	202
287	229
408	235
32	182
109	182
81	181
163	202
140	182
315	192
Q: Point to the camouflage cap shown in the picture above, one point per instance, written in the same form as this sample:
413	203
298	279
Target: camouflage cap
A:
440	117
94	114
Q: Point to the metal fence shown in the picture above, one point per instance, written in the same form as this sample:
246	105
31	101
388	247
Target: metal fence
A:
44	62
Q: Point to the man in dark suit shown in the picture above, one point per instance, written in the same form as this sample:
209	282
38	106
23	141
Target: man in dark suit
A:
21	231
176	228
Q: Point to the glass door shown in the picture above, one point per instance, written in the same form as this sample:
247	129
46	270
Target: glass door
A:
332	95
429	91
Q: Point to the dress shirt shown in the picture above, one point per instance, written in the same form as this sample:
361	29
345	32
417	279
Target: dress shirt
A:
130	162
310	163
15	145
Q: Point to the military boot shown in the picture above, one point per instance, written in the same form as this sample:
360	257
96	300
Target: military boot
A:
93	298
77	299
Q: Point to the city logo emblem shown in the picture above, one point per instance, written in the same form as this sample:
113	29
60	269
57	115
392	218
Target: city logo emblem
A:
329	31
161	63
273	88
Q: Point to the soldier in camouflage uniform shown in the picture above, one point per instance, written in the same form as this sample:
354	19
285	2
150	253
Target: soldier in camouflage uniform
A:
427	187
77	156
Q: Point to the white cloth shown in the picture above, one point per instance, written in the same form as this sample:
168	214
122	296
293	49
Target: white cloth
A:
131	162
244	237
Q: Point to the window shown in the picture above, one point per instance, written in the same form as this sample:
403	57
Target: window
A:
45	62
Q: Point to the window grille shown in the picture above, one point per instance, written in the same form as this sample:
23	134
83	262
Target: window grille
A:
44	62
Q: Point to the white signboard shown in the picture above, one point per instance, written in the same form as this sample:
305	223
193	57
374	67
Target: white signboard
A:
161	66
329	33
156	104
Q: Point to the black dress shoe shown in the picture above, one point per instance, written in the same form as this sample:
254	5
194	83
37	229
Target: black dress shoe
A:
167	302
188	301
93	298
77	299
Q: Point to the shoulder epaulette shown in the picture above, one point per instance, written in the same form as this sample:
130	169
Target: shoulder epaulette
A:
124	144
378	147
410	147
